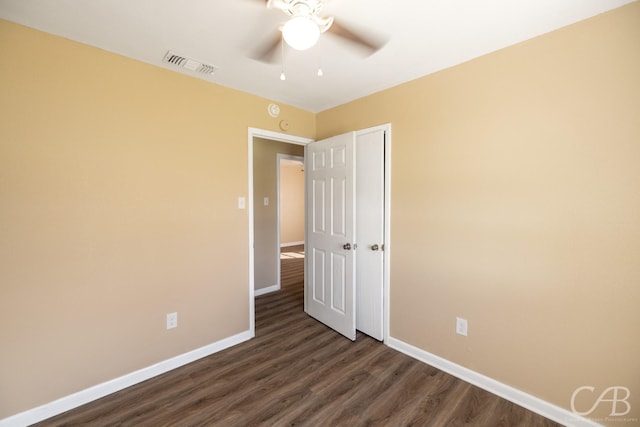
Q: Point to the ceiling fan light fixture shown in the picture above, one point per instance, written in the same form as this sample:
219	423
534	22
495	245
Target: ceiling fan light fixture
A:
301	32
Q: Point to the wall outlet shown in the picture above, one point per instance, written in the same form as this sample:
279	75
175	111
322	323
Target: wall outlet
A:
172	320
461	326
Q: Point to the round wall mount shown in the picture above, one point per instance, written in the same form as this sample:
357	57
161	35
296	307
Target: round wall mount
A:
284	125
274	110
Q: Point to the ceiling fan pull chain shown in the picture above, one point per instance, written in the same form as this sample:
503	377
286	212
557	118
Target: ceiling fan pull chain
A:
282	76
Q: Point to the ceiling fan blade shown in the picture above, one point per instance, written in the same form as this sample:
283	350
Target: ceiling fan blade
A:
278	4
367	41
268	51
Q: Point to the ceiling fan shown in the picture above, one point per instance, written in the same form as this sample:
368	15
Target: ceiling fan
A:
305	25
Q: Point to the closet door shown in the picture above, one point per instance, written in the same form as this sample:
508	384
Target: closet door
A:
370	233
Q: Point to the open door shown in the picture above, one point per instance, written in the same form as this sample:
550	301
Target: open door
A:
370	223
330	233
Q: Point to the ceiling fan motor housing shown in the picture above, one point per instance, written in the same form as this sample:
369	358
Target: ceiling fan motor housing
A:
297	7
303	8
305	25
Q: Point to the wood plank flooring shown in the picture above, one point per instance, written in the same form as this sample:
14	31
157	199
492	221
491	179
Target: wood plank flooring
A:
297	372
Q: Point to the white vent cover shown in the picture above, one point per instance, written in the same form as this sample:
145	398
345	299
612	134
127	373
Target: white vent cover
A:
188	63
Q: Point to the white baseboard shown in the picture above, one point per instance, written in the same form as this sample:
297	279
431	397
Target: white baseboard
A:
532	403
286	245
90	394
266	290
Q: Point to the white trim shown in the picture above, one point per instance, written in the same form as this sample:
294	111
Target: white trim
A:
252	279
306	225
259	133
286	245
90	394
277	136
266	290
387	229
526	400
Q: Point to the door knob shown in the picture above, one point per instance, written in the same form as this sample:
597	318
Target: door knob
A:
375	247
346	246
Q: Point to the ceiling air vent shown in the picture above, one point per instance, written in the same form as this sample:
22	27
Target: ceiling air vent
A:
188	63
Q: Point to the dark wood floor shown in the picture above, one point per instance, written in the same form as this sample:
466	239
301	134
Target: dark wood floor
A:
297	372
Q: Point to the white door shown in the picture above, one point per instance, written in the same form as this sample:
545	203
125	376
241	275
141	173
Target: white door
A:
330	233
370	233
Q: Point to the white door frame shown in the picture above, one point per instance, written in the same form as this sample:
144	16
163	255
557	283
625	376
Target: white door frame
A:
292	139
275	136
280	157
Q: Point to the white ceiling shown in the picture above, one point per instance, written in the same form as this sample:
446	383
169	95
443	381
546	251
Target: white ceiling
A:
424	36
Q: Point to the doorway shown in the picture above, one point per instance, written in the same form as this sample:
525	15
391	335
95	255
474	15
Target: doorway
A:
264	240
290	206
290	199
384	245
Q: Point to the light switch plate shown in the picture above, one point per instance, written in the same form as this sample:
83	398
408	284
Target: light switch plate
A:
172	320
461	326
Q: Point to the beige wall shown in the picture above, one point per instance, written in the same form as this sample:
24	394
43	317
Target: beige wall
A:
265	218
118	190
515	203
291	204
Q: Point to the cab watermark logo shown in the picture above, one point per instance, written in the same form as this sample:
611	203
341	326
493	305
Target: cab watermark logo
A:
616	396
